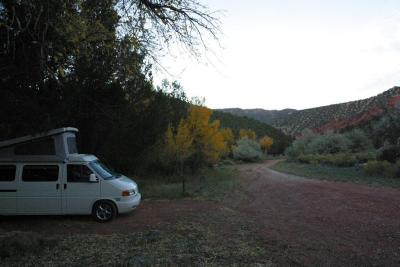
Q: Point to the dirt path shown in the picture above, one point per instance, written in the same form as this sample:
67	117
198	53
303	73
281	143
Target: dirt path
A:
323	223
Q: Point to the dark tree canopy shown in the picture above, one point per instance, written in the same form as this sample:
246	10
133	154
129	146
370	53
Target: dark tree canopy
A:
83	63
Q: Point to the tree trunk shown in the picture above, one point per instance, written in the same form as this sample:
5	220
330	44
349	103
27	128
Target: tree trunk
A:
183	178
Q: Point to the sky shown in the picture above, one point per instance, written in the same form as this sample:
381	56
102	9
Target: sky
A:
277	54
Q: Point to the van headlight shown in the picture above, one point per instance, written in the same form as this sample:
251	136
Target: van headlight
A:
127	193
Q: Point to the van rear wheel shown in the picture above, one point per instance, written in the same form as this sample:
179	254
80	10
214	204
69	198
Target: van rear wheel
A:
104	211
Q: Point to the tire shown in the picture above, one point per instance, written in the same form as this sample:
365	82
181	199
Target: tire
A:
104	211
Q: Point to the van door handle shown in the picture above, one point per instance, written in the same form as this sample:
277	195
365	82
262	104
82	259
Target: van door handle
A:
57	186
65	186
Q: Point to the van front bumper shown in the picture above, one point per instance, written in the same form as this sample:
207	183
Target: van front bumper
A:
129	204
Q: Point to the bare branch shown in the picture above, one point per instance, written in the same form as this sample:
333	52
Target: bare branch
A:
159	23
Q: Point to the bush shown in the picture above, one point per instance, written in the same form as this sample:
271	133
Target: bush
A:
308	159
342	160
296	149
359	141
364	157
299	146
332	149
392	171
339	159
389	153
383	168
328	144
247	150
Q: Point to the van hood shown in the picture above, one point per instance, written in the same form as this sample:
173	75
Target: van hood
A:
124	183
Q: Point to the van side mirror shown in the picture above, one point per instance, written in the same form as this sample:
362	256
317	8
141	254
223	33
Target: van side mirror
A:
93	178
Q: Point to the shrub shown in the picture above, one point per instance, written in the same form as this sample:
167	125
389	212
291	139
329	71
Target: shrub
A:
359	141
364	157
392	171
299	146
377	167
296	149
328	144
247	150
307	159
339	159
342	159
338	146
389	153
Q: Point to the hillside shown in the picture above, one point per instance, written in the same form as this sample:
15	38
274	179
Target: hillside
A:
267	116
339	116
281	140
329	118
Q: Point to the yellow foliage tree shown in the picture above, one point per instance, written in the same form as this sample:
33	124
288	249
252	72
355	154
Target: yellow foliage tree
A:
247	133
229	139
214	142
208	140
196	139
178	147
168	153
266	143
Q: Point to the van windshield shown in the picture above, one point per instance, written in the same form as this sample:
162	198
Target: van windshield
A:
102	170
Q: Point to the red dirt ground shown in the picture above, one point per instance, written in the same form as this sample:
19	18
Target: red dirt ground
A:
301	221
323	223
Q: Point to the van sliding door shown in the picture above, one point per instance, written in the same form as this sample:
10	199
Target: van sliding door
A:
39	190
8	189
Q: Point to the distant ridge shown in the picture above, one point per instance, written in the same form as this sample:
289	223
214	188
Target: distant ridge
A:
267	116
326	118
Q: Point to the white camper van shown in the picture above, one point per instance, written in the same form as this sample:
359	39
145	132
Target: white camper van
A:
44	174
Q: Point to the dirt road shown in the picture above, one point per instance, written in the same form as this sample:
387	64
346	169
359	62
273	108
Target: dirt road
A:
318	223
298	222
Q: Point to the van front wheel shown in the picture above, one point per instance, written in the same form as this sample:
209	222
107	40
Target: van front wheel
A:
104	211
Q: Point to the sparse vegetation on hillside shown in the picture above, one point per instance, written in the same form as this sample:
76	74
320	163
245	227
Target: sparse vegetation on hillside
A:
327	118
339	116
266	116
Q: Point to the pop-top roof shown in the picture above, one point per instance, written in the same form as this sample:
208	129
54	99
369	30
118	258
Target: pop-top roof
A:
28	138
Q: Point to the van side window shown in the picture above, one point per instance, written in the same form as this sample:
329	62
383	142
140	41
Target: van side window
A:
77	173
41	147
7	173
40	173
